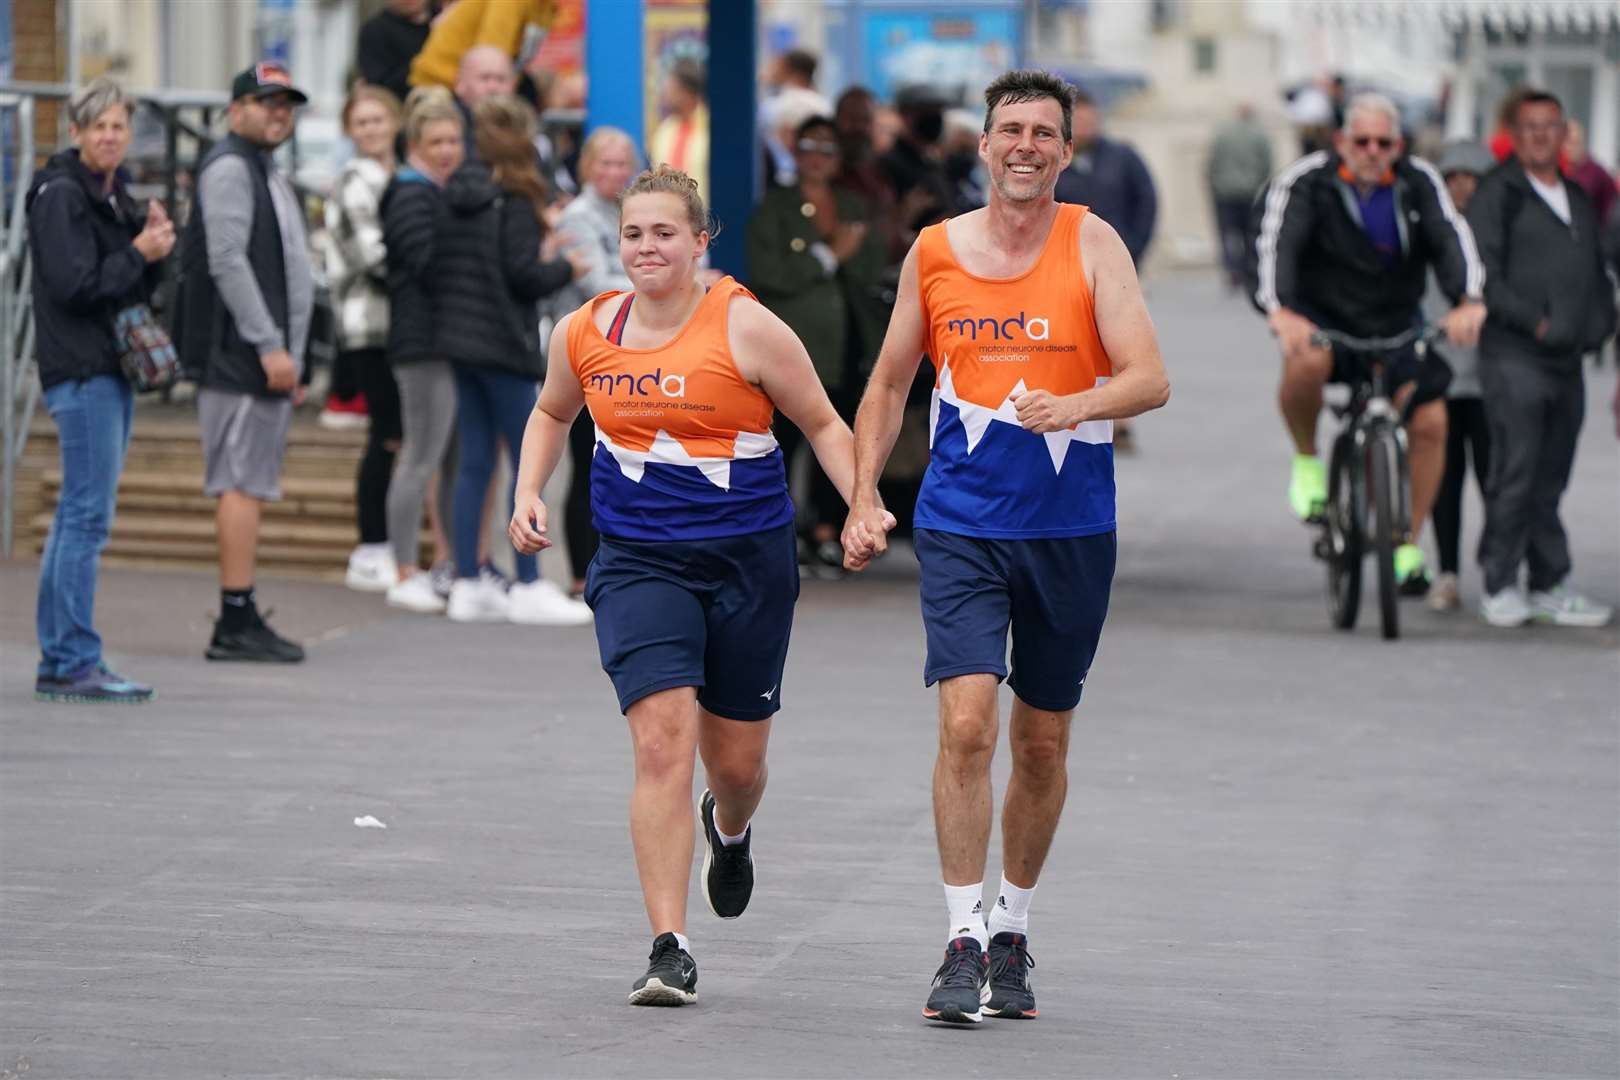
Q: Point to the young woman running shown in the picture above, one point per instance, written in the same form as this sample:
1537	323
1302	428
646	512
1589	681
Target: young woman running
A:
694	583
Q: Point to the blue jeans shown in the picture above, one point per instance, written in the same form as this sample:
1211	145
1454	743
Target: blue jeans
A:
490	403
93	419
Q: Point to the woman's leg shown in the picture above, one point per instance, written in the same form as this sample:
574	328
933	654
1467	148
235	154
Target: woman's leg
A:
1448	503
382	442
514	398
475	434
427	393
93	424
664	734
734	768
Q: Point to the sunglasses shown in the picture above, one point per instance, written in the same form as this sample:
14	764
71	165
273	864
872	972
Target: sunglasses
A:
816	146
1361	142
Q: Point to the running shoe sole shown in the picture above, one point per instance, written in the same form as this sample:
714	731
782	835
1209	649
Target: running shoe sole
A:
656	993
950	1014
1013	1014
87	699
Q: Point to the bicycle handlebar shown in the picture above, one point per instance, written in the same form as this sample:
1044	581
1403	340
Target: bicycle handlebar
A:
1324	337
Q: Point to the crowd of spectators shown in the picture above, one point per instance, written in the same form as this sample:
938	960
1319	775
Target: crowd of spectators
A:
457	233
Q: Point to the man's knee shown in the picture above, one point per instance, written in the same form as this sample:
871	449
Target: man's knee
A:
1428	424
1040	746
1307	368
967	735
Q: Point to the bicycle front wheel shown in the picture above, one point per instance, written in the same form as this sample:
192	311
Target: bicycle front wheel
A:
1383	459
1342	527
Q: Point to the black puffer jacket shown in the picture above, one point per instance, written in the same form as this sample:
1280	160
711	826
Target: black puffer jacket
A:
488	277
411	207
86	268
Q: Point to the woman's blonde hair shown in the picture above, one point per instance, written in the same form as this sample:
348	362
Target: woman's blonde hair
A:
428	105
600	140
668	180
504	127
380	95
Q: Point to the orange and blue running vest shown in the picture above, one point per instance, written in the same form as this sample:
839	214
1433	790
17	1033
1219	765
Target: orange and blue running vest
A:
990	340
684	449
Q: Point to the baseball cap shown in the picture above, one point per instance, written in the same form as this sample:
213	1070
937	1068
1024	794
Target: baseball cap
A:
264	79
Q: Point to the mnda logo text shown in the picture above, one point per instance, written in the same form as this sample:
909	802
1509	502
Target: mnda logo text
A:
1035	329
670	386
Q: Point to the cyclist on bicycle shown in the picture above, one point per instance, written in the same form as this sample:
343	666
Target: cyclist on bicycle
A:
1346	240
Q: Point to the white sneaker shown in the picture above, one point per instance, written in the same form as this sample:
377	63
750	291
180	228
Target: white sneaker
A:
1562	606
416	593
371	569
1443	594
1506	608
476	600
540	603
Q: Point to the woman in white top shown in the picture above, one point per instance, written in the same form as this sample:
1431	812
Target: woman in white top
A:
590	224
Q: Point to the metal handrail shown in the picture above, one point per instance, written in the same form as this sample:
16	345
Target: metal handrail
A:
16	327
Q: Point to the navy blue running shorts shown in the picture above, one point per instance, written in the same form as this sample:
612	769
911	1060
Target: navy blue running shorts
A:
1051	593
714	614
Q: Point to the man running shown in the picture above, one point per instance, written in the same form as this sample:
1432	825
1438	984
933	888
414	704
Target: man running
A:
1034	320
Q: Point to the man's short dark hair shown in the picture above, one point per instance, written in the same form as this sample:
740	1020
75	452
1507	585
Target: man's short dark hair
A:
802	63
1017	87
1536	97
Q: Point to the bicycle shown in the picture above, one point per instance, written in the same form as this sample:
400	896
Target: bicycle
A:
1368	497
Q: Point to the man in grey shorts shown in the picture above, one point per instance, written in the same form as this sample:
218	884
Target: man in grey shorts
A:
246	294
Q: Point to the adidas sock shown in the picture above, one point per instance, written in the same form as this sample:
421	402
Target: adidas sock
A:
729	841
966	905
1011	913
236	608
680	939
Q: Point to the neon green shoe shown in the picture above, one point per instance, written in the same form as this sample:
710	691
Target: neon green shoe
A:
1411	570
1307	489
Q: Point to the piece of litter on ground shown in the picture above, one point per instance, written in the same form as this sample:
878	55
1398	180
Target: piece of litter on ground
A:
368	822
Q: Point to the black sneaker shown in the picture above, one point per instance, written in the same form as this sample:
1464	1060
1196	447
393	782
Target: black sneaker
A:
961	985
728	872
254	642
671	977
1010	995
97	686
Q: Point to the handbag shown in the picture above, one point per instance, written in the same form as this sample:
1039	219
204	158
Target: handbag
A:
145	352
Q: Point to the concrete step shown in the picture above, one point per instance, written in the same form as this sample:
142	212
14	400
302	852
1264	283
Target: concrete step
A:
313	497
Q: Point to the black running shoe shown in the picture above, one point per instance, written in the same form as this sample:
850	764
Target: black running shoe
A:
728	872
253	642
961	985
671	977
1010	995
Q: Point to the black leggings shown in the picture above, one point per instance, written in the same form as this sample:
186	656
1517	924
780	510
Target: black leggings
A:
1466	433
582	539
376	381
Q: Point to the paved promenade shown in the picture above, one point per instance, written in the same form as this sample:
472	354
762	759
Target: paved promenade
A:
1288	852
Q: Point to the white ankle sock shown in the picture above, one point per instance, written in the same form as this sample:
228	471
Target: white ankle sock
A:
966	905
1011	913
680	939
729	841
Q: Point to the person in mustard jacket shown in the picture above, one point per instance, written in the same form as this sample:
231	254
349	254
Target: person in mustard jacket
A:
470	23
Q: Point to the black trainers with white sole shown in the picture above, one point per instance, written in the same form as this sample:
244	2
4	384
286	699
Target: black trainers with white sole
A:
671	977
961	985
728	872
1010	995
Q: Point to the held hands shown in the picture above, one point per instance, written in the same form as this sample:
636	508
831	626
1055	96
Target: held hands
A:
1041	411
528	527
156	239
280	371
866	535
1462	323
